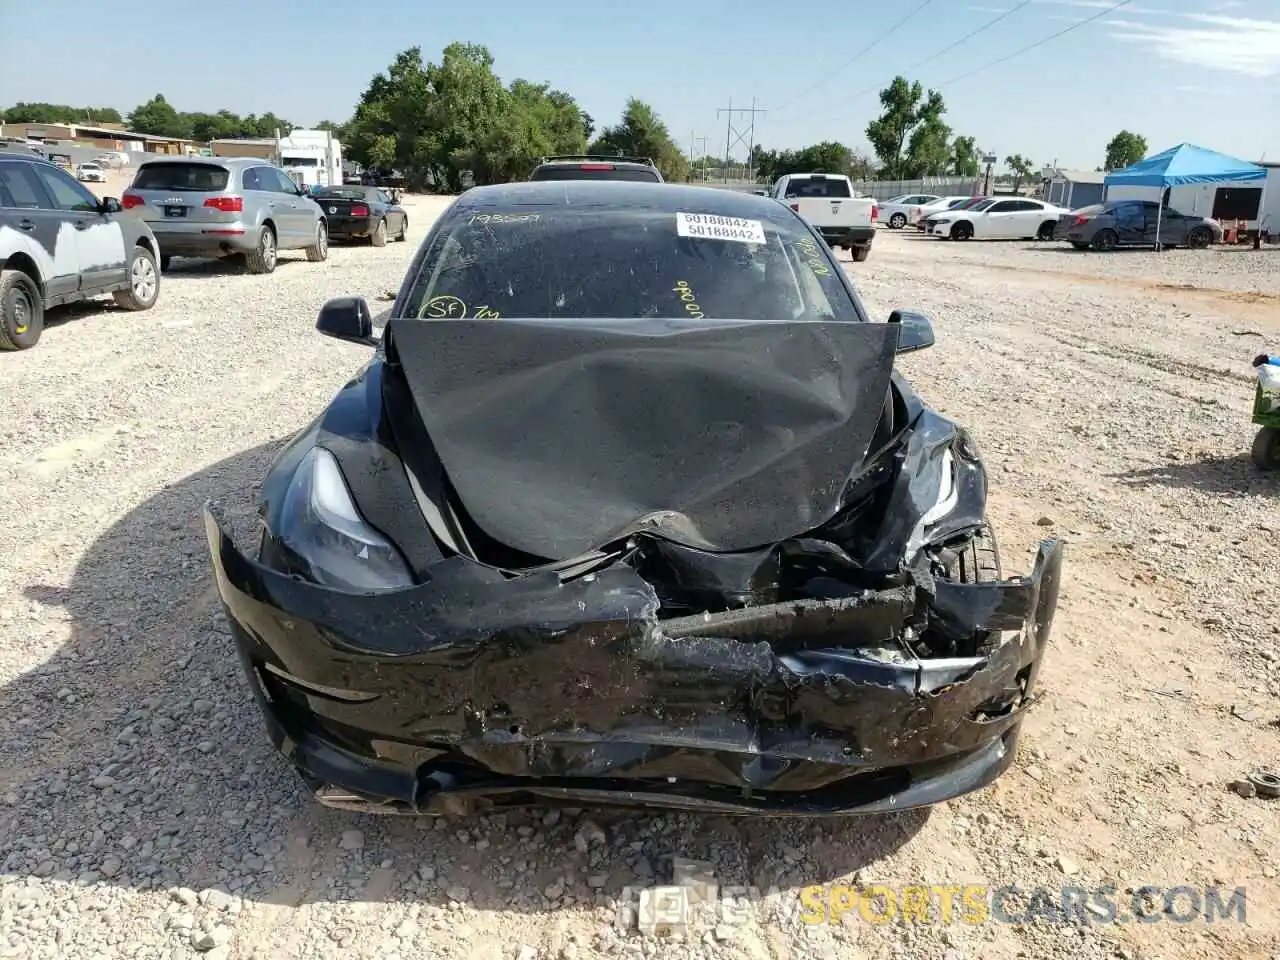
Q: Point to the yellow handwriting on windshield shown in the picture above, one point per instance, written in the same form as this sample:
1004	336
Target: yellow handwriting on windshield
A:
484	313
444	307
497	218
685	293
812	256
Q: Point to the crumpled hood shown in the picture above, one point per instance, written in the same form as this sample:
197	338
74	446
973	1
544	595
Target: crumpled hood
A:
562	435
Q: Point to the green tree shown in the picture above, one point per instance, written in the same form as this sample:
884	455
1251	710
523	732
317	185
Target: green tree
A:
58	113
642	133
966	159
1124	149
1021	168
157	116
909	136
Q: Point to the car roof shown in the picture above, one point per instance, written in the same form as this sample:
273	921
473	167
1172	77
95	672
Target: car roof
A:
663	197
209	161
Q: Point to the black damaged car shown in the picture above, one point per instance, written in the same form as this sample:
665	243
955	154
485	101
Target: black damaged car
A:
631	506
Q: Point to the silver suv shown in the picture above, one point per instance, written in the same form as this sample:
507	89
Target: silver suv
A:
226	207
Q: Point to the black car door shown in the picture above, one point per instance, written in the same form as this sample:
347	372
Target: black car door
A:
42	231
395	216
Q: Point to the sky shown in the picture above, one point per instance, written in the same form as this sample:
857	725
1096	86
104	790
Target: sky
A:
1204	71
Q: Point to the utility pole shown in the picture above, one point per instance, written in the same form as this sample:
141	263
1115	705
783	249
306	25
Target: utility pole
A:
733	136
693	140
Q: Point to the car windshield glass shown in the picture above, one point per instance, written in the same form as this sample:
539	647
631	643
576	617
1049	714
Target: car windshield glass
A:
1094	209
982	205
346	193
200	177
568	171
625	263
810	187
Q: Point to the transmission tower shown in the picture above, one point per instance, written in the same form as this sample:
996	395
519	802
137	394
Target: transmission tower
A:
733	136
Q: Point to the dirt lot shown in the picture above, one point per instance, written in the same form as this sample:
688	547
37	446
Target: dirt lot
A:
142	814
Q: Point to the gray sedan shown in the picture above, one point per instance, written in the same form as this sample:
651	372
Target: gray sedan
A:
1122	223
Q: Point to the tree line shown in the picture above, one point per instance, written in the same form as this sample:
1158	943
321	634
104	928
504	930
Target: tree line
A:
439	123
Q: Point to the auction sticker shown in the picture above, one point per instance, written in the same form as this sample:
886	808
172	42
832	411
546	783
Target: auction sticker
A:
704	226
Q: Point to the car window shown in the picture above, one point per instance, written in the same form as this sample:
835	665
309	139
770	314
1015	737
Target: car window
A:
66	192
573	171
258	179
955	203
982	205
193	177
18	187
1002	206
812	187
277	181
382	197
624	263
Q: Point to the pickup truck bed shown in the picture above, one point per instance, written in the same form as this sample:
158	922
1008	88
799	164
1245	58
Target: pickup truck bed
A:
826	201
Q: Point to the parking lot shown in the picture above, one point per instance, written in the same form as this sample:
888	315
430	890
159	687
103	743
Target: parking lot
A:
143	814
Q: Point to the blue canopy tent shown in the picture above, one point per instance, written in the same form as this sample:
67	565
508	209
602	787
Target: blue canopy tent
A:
1185	163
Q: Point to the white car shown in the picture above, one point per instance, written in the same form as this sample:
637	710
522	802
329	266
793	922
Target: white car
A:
91	173
1000	218
899	211
942	204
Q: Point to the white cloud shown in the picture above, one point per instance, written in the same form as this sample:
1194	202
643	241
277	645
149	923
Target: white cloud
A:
1231	44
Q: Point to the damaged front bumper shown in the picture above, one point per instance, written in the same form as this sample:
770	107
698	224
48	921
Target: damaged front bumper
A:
469	691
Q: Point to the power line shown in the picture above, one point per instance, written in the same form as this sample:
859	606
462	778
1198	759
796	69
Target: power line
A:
1039	43
861	53
1017	53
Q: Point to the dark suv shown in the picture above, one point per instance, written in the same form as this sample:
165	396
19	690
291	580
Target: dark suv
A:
60	243
588	167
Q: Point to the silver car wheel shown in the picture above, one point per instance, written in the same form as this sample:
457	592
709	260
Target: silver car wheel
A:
142	278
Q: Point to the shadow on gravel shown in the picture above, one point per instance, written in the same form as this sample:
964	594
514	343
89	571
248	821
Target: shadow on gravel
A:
197	268
138	759
1229	476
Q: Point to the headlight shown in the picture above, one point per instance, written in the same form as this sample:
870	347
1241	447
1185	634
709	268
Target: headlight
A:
321	526
948	493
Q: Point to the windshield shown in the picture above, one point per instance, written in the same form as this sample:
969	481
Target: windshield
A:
1093	210
347	193
625	263
982	205
814	187
200	177
598	171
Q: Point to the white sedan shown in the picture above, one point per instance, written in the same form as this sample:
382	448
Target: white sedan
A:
1000	218
927	210
900	211
91	173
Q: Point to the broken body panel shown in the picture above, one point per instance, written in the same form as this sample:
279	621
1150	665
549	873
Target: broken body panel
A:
834	671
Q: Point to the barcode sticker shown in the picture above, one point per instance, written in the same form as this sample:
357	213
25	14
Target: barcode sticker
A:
705	226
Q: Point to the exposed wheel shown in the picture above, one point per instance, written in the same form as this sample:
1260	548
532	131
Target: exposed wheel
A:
861	252
962	230
379	238
979	561
144	282
319	251
263	259
1046	230
1266	449
898	221
1199	238
404	229
164	263
21	311
1105	240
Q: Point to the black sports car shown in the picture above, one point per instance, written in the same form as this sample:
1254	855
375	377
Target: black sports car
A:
356	212
630	506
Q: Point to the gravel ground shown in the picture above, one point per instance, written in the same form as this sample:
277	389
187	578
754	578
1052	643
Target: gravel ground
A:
142	814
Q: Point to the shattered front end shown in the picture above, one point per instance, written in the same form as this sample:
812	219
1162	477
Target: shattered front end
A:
476	689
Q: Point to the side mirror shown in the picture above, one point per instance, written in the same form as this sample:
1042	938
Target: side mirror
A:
110	205
915	330
347	318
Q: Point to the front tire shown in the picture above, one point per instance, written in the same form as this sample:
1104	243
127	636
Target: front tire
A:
1046	230
1266	449
962	230
21	311
861	252
1199	238
144	282
263	259
404	229
318	252
898	221
164	263
379	237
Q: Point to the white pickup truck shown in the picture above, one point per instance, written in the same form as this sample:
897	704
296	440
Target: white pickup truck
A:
828	202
